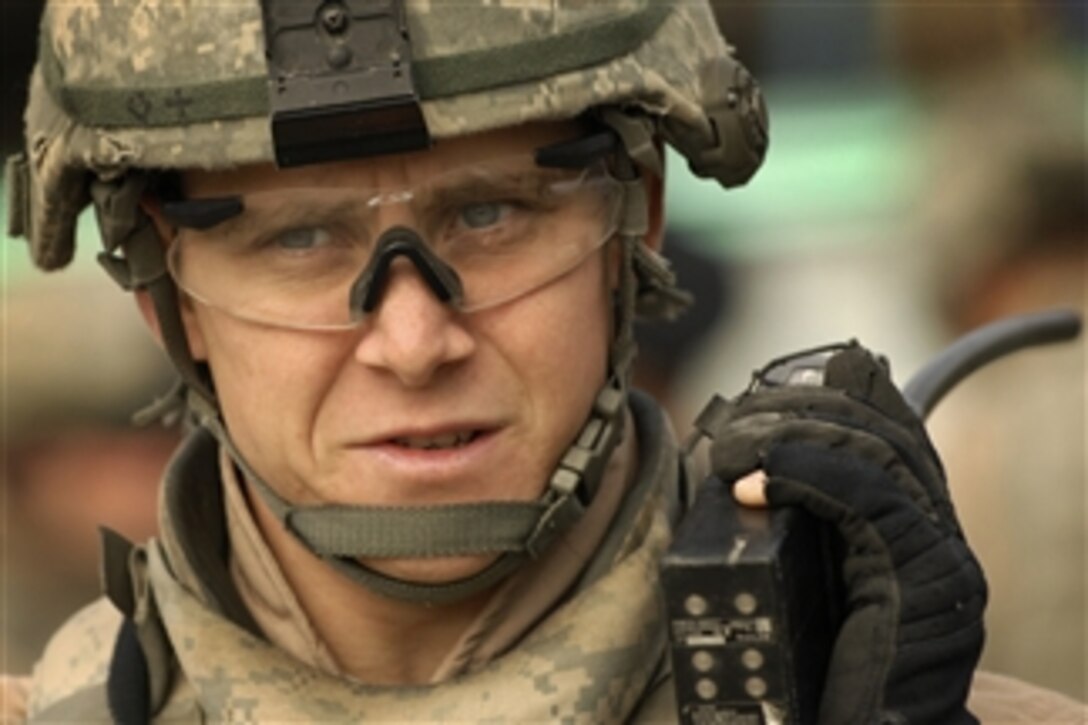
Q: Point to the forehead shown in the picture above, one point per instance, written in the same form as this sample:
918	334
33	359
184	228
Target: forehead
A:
383	171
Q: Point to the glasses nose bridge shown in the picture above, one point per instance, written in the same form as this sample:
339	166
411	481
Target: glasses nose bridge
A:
390	198
369	287
387	210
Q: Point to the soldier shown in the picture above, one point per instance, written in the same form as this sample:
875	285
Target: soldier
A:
394	251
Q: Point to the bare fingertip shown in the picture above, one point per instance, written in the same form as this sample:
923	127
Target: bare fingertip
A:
750	490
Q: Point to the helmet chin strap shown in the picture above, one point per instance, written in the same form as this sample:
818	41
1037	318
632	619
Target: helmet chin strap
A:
342	534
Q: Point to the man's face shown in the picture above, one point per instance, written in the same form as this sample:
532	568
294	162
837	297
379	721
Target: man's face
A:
420	404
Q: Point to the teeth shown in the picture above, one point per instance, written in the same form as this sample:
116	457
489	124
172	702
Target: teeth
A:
450	440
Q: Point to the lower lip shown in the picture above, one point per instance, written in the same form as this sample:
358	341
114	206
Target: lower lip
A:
435	463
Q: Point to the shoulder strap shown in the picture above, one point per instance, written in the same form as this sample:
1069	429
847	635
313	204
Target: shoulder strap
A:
128	688
143	663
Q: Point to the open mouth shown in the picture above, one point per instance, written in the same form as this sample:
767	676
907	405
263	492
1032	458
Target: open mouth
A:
438	442
435	456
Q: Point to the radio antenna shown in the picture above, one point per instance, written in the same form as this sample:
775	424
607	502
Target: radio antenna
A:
982	346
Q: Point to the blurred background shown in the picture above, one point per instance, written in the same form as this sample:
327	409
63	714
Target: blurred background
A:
926	175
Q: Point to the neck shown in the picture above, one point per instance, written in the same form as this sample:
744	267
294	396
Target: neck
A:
372	638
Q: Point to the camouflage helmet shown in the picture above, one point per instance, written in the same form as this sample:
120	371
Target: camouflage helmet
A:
124	85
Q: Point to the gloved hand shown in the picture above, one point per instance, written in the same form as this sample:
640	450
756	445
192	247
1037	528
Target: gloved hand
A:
852	452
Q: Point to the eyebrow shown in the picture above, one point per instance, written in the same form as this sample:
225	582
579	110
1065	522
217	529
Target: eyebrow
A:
290	210
467	186
223	213
294	208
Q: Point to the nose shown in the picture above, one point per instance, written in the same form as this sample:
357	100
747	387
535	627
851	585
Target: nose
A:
411	333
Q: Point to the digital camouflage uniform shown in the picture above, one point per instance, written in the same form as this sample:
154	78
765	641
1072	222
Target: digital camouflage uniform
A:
143	85
195	97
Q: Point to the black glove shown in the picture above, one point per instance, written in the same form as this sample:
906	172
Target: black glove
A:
852	452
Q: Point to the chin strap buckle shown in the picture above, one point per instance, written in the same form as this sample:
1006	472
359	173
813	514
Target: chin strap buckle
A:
569	492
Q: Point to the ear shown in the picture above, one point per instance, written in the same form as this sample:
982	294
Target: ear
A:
146	305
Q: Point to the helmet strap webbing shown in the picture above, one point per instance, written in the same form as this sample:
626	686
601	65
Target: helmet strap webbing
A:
135	259
652	281
517	531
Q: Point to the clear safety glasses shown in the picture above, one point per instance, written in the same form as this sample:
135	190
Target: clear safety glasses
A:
316	258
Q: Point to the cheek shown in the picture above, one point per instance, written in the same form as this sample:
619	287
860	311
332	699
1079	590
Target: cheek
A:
269	384
582	331
563	337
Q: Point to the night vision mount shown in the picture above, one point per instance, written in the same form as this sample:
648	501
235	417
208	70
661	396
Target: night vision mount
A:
340	80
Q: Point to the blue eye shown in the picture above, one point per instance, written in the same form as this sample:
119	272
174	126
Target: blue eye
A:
482	214
302	238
